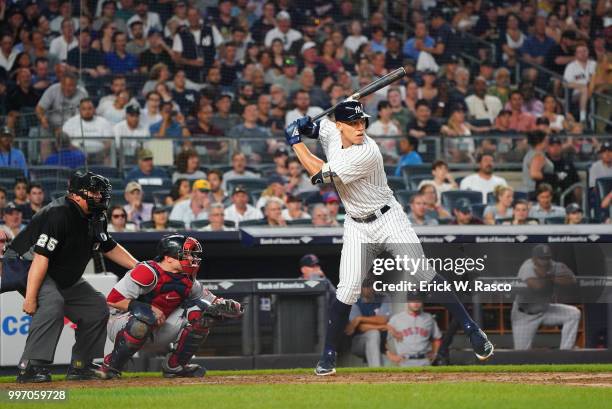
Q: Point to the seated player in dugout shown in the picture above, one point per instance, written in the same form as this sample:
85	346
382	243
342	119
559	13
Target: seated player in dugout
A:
159	306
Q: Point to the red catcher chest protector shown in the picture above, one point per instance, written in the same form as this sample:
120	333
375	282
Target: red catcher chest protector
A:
170	289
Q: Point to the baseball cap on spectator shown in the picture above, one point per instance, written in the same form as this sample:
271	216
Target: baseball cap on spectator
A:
283	15
573	208
11	207
152	32
289	61
463	205
282	151
131	186
160	209
7	131
606	146
453	59
132	109
331	197
202	185
145	154
136	21
239	189
276	179
308	45
554	140
542	251
309	260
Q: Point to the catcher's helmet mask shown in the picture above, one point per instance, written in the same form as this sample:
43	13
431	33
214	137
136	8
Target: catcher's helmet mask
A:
86	185
187	250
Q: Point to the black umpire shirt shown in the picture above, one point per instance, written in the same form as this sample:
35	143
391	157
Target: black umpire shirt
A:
63	233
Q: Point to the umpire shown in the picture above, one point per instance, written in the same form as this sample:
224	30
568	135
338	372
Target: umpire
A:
57	245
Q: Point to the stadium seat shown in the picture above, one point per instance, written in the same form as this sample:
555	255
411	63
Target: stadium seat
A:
299	222
256	222
390	170
450	197
50	172
407	171
403	197
11	173
173	224
250	184
106	171
396	183
517	195
198	224
478	210
415	180
554	220
604	186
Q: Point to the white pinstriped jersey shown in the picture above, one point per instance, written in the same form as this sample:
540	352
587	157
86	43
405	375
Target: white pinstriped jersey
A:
360	174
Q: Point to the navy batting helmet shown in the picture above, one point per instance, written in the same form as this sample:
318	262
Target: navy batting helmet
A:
349	111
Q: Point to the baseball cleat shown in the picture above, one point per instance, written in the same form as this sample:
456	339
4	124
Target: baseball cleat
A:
33	374
185	371
80	372
326	366
106	372
483	348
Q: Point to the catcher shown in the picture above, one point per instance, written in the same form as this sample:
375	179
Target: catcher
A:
159	306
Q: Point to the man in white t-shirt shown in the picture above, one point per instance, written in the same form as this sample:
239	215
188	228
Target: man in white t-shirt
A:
86	125
484	180
60	46
131	127
150	20
241	210
282	31
578	74
301	100
482	106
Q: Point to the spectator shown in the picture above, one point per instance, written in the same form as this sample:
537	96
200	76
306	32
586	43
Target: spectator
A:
298	181
108	15
59	102
159	220
460	148
36	199
12	218
23	95
20	191
482	106
241	210
196	208
574	214
544	208
501	87
8	53
250	130
151	113
188	166
11	157
215	178
294	209
223	118
355	39
120	61
171	125
86	126
117	217
429	90
86	59
558	122
320	216
385	127
273	212
185	98
520	214
536	166
2	197
332	203
65	13
114	112
281	155
578	75
418	215
461	90
216	218
442	180
432	201
181	191
310	268
156	53
318	97
484	180
502	209
229	65
105	41
401	112
520	121
150	20
118	85
601	168
531	104
137	211
565	173
131	127
66	154
559	55
367	320
238	169
537	46
289	80
138	42
462	212
283	31
422	124
60	46
421	39
301	100
393	56
265	23
542	275
442	34
408	147
145	172
414	335
512	41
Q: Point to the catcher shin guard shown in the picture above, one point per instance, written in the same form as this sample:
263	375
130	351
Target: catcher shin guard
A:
189	340
131	338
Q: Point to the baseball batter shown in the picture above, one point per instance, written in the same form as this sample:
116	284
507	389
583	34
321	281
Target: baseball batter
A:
376	221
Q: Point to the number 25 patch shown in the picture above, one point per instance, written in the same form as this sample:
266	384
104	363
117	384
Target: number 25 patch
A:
46	241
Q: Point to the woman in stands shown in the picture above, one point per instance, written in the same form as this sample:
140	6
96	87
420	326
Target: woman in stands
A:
434	209
536	165
512	40
278	54
159	220
160	73
328	57
520	214
459	148
276	188
429	90
574	214
117	220
151	112
558	122
188	166
181	191
501	87
502	209
105	43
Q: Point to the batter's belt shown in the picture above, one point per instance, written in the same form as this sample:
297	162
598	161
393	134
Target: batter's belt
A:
371	217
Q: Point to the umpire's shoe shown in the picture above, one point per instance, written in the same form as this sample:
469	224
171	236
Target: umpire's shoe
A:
82	371
183	371
29	373
326	365
483	348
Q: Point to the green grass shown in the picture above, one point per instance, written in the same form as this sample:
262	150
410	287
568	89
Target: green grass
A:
332	396
435	369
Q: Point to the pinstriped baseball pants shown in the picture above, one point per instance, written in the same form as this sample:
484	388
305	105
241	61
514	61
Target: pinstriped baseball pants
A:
363	242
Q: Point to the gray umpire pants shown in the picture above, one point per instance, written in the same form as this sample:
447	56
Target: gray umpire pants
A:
83	305
367	344
525	326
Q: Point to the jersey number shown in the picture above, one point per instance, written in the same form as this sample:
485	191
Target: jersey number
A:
46	241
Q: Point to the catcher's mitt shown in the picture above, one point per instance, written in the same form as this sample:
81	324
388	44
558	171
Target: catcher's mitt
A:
224	309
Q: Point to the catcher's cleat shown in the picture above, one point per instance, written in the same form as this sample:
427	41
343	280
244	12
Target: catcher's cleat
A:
483	348
80	372
32	374
326	365
106	372
183	371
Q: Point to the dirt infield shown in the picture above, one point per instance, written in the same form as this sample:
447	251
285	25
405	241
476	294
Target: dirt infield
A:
535	378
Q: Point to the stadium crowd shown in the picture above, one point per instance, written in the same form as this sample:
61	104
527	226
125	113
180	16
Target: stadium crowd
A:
136	73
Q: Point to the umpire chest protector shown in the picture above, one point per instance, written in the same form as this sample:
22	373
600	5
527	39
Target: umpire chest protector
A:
169	289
